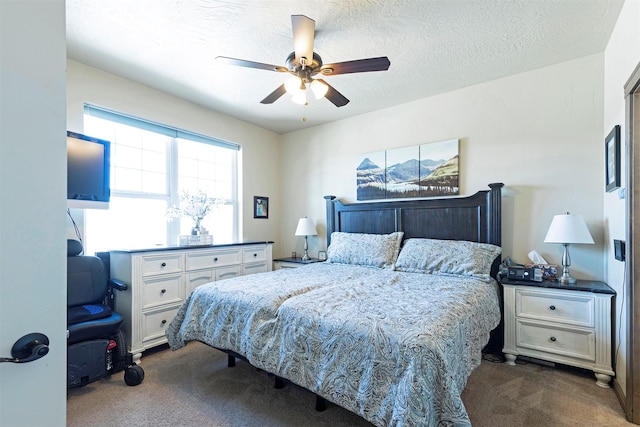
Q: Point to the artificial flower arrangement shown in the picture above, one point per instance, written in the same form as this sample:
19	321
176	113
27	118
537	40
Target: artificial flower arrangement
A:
195	205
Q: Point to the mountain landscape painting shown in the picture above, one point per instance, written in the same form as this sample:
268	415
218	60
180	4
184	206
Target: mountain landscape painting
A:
425	170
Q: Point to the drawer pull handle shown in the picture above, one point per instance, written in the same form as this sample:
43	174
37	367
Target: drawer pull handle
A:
255	255
553	339
215	259
553	307
163	322
163	291
164	264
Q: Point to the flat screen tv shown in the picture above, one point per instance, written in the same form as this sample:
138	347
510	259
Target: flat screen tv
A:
88	160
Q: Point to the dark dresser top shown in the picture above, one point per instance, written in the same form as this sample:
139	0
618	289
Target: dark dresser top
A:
186	247
580	285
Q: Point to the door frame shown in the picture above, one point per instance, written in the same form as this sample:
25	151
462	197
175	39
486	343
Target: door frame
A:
632	269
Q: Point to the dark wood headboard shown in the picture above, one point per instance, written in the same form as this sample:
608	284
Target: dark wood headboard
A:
476	218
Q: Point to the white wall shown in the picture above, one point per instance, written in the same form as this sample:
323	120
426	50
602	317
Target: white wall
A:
32	209
621	57
260	155
540	133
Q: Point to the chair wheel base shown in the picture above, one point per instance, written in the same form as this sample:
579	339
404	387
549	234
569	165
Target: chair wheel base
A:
133	375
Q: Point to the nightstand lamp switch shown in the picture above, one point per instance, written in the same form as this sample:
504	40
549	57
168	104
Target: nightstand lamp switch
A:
567	229
306	228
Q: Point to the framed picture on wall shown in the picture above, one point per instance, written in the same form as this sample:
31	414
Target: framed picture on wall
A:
612	159
260	207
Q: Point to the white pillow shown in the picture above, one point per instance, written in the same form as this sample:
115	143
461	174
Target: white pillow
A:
448	257
376	250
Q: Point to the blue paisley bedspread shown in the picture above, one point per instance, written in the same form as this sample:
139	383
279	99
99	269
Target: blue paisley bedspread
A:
396	348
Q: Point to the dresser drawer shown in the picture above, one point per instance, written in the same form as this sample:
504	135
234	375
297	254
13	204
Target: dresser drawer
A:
162	290
155	323
572	342
571	308
228	272
152	265
211	259
197	278
254	268
254	254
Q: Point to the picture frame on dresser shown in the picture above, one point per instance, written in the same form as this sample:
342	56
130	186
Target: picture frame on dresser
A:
612	159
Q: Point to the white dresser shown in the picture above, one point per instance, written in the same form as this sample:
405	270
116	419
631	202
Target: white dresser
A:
160	279
568	324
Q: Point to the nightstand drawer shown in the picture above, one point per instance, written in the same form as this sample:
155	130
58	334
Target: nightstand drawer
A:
571	308
572	342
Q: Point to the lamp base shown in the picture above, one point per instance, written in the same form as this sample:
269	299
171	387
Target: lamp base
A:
305	257
566	279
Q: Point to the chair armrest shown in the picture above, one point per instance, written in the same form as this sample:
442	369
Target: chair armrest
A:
118	285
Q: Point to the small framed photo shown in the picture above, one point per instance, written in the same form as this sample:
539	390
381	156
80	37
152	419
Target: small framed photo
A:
322	255
260	207
612	159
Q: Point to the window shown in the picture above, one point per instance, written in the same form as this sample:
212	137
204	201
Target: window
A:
150	165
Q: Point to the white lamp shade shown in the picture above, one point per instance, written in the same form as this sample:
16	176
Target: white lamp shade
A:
568	228
306	227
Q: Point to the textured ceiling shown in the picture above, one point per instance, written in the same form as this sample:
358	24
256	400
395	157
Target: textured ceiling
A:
434	46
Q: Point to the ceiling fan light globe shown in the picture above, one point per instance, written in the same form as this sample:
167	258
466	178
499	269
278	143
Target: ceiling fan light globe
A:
292	85
319	89
300	98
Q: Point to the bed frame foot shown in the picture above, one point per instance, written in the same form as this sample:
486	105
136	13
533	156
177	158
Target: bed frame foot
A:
321	403
278	382
231	361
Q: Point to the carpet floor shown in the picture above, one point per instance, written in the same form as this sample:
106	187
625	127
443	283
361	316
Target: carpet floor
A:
194	387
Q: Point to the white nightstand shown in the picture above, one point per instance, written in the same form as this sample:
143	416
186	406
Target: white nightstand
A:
569	324
292	262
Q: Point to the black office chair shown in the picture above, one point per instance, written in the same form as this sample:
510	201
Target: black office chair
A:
97	346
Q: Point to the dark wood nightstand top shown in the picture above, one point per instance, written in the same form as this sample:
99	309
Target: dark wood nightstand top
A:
298	260
580	285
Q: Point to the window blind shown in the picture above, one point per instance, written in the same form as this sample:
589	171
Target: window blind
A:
156	127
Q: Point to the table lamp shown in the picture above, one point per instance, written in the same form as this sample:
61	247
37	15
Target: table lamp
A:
306	228
567	229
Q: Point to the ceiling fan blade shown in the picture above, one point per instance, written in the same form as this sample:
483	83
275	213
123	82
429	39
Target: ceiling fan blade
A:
251	64
338	99
303	33
275	95
357	66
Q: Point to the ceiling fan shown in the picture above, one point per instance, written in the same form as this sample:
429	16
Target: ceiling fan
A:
304	64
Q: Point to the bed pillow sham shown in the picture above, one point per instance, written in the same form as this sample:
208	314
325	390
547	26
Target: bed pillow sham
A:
375	250
448	257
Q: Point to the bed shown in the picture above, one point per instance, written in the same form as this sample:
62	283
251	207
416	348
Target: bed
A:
390	327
